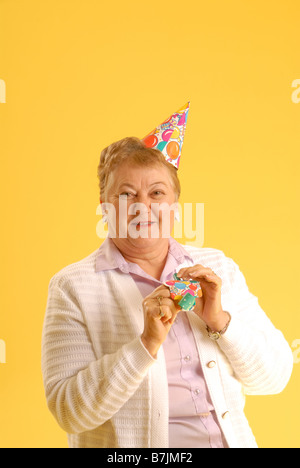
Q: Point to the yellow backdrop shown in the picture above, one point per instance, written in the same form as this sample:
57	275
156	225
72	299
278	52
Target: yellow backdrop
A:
80	74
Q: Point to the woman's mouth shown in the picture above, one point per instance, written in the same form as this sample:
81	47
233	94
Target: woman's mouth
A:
147	223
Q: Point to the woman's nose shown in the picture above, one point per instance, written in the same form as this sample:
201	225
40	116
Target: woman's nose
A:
143	199
142	204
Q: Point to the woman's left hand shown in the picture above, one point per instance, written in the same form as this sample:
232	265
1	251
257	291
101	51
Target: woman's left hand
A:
208	307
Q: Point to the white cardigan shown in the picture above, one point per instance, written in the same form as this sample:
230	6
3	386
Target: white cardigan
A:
106	390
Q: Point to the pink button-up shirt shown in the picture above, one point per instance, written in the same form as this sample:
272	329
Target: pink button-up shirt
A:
192	419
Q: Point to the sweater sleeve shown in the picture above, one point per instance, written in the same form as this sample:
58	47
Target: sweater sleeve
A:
259	354
82	391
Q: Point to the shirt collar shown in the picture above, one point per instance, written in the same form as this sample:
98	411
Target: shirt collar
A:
109	256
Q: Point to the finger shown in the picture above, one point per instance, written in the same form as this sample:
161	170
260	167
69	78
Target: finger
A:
174	315
169	308
174	308
184	273
152	303
170	318
212	275
213	279
172	304
162	290
196	271
181	273
167	301
164	313
186	270
201	272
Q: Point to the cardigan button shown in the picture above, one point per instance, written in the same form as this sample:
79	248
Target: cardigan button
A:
211	364
225	415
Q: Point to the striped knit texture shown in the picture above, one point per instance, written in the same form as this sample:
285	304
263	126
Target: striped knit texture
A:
106	390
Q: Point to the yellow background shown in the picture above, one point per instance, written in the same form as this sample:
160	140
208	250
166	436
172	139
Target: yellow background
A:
82	74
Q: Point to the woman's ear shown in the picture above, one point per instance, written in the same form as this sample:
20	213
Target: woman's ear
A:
177	211
104	213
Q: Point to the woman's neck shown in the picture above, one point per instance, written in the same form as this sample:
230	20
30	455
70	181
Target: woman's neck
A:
151	258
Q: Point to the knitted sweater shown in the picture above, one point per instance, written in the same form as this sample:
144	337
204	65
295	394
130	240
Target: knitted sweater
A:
106	390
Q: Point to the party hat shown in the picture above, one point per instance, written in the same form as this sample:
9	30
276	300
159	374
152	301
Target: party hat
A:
168	137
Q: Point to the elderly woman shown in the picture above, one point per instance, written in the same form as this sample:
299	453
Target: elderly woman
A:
123	365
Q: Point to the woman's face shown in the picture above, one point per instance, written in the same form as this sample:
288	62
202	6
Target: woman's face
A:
140	203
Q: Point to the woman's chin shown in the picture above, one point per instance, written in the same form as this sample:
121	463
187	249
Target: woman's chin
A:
144	241
143	236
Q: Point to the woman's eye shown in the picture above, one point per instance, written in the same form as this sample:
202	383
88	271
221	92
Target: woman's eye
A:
125	194
128	194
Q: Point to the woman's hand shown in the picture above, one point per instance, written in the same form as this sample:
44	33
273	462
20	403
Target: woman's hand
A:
208	307
159	317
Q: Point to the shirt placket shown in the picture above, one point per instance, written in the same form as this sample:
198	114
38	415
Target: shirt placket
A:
189	369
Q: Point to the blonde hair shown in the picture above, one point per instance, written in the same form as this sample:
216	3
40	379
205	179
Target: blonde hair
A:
133	150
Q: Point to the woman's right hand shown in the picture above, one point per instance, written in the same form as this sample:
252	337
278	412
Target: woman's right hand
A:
159	317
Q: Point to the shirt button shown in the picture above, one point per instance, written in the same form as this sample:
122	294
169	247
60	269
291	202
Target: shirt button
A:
211	364
187	358
197	391
225	415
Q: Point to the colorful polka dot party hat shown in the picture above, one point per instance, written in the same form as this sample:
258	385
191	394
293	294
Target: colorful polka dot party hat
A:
168	137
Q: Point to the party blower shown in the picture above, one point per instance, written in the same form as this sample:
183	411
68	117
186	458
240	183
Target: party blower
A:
184	292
